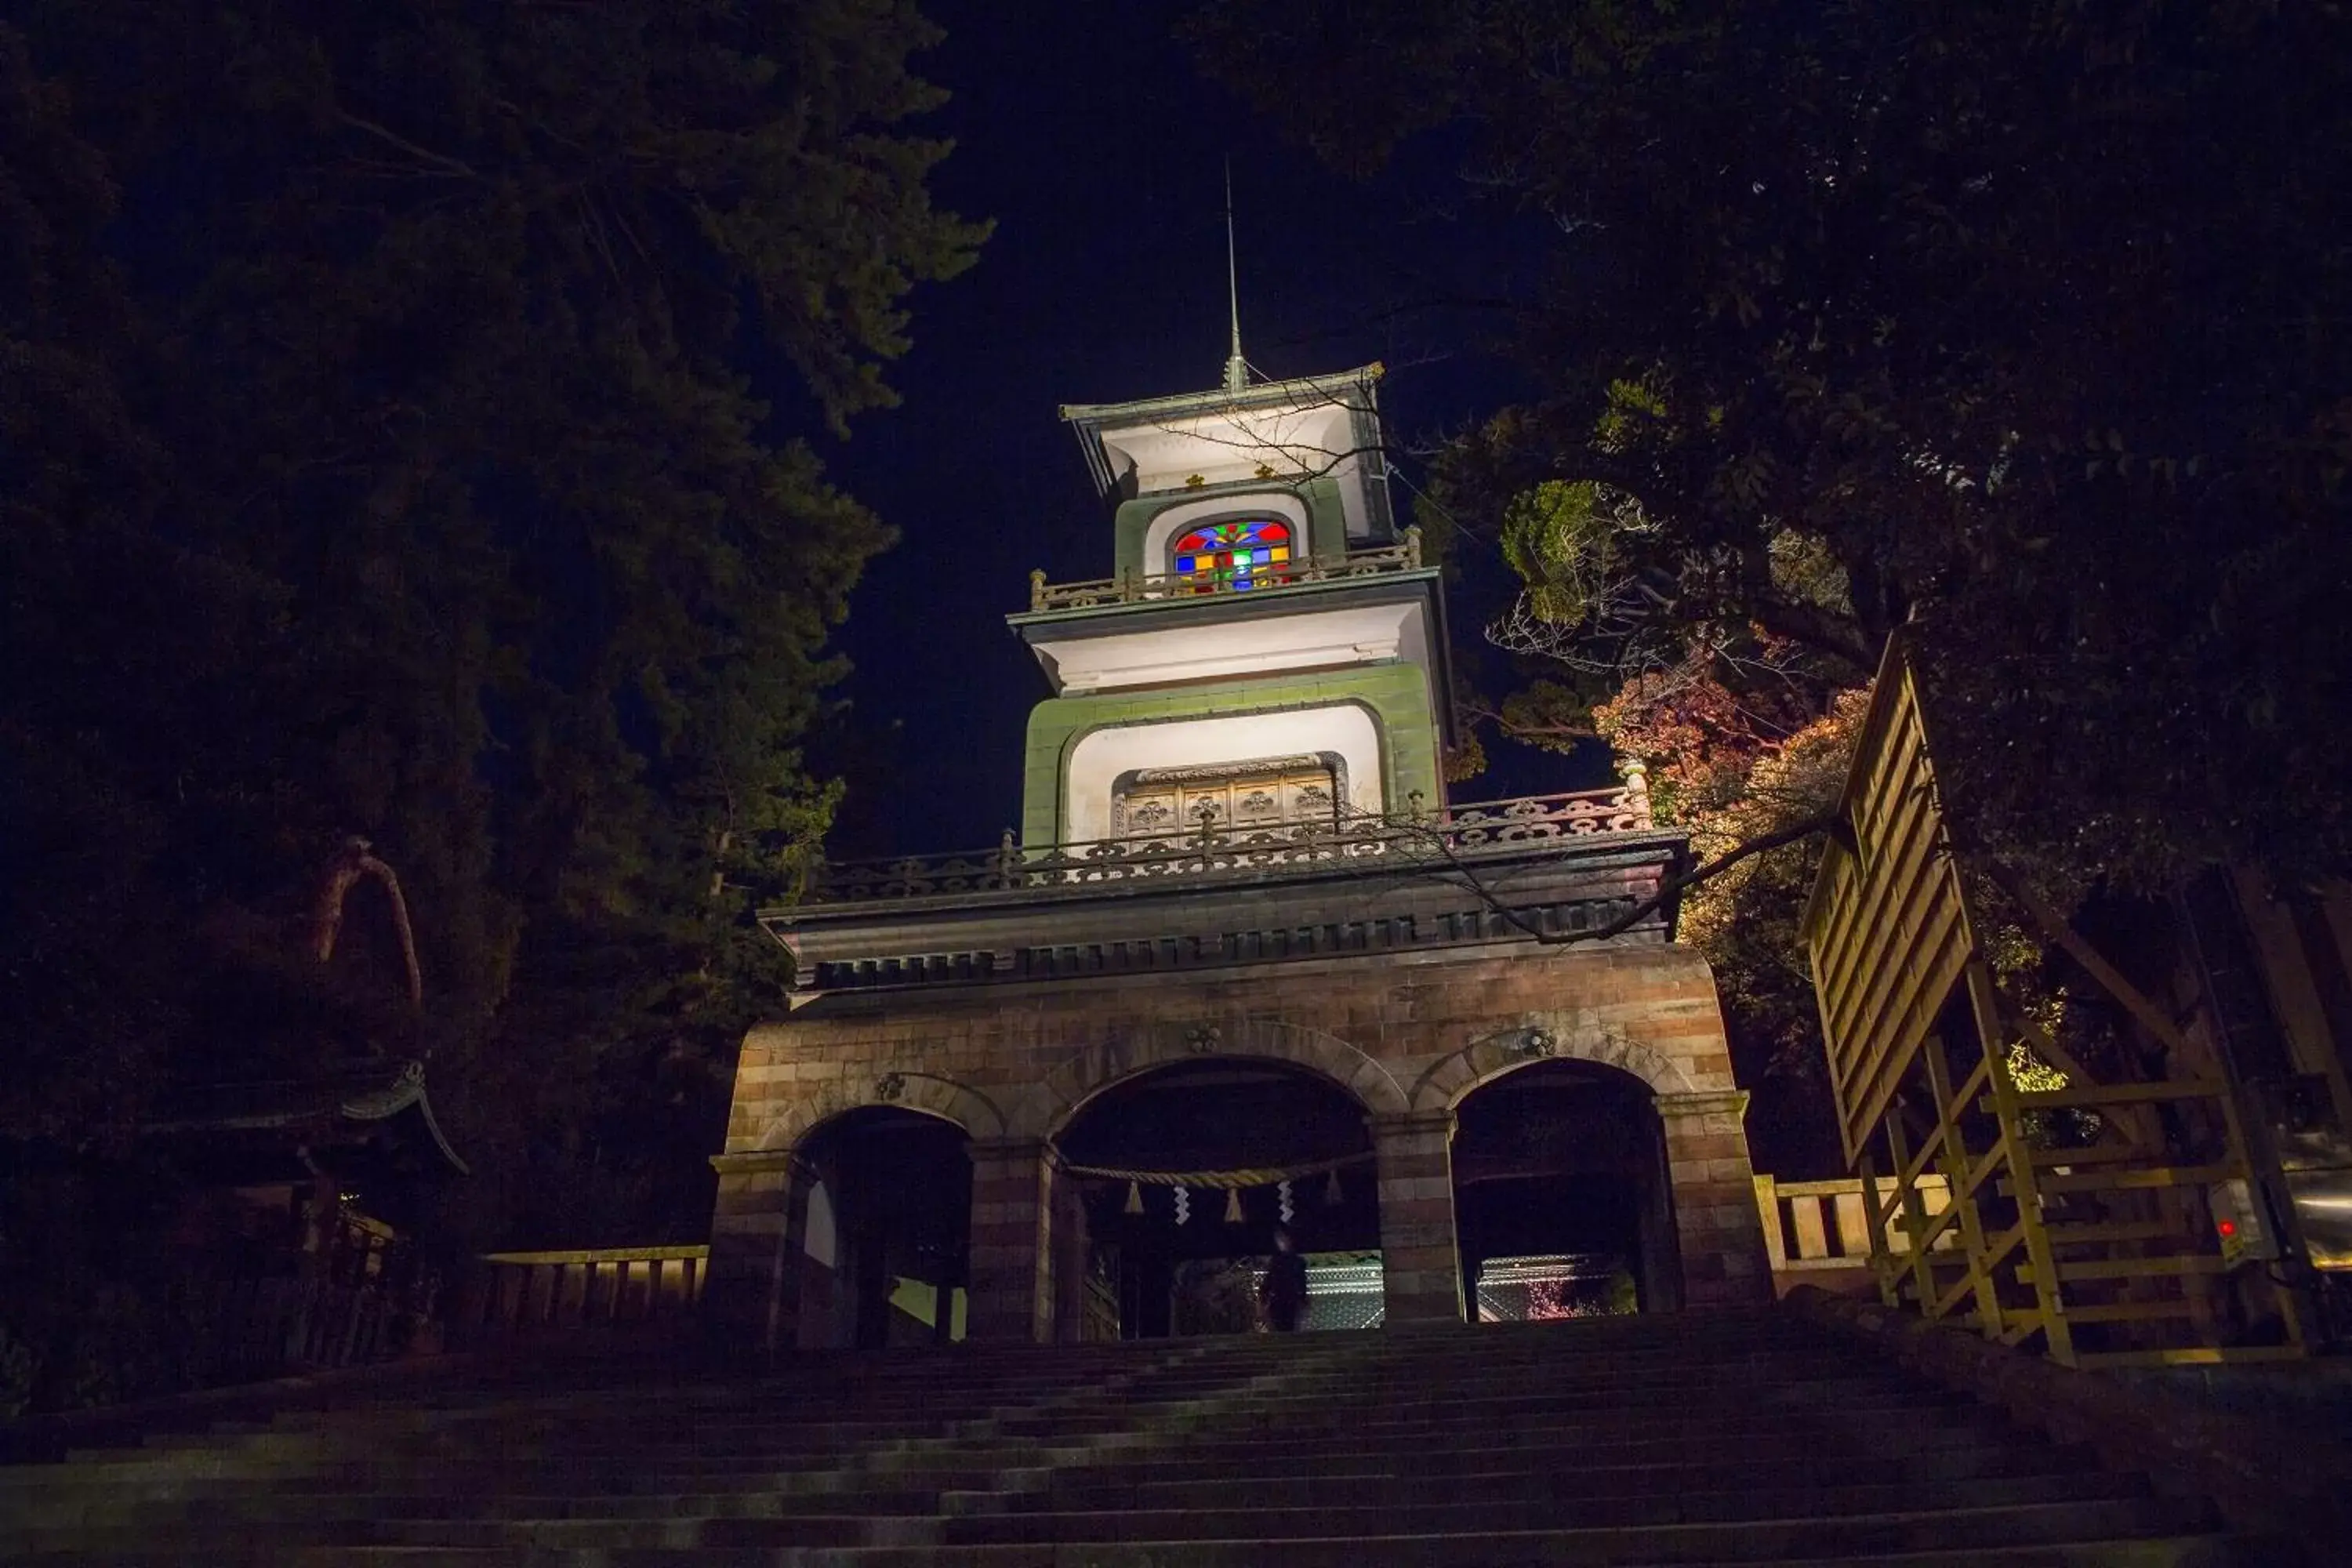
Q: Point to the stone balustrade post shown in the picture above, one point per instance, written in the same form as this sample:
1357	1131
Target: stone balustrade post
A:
1636	774
1010	1272
1421	1257
751	1294
1718	1229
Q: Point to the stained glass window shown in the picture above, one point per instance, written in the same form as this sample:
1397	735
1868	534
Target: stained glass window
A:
1244	553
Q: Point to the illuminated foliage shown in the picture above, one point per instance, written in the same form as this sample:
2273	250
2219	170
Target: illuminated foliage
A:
2022	326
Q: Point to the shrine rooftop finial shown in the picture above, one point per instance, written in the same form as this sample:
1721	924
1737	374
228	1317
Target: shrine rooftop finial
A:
1237	368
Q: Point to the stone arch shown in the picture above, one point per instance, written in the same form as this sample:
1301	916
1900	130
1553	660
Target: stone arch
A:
944	1098
1088	1072
1544	1036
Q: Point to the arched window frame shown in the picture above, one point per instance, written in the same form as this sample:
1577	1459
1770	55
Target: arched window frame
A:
1281	560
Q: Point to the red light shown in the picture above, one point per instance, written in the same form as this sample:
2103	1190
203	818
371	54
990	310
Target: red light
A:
2229	1227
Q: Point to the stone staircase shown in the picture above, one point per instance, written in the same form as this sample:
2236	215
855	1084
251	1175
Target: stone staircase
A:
1739	1438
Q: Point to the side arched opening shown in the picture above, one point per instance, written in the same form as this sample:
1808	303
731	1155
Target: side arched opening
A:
1155	1255
1563	1198
884	1230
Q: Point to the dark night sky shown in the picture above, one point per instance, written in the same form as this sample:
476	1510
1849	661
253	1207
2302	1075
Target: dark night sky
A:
1087	132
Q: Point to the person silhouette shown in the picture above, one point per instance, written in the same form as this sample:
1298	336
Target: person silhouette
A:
1282	1294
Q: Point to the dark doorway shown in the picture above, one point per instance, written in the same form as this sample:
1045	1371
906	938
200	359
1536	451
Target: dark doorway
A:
1160	1264
1560	1196
884	1232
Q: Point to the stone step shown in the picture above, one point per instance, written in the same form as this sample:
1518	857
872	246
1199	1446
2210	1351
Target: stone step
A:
1807	1540
1252	1407
2093	1529
1181	1466
1742	1439
276	1507
1661	1516
1574	1491
1403	1515
1433	1419
2173	1551
1440	1415
1154	1458
1255	1425
1546	1496
923	1385
1667	1371
1081	1489
1244	1446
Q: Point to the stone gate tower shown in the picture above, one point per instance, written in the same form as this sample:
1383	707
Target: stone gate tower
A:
1235	848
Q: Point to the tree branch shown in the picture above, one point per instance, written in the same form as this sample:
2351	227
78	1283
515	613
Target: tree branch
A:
1820	630
457	166
1668	887
1516	729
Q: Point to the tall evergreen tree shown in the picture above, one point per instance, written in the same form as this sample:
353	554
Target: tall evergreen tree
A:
407	417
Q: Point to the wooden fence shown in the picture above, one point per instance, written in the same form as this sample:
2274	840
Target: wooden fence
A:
2076	1216
512	1293
1824	1228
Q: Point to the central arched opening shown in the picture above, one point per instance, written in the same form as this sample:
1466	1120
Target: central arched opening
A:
1185	1174
886	1231
1562	1198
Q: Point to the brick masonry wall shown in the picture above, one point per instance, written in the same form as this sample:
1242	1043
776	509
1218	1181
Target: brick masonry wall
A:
1409	1034
1009	1264
1420	1261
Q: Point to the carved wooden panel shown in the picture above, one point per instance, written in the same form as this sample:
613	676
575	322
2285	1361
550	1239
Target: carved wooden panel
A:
1263	795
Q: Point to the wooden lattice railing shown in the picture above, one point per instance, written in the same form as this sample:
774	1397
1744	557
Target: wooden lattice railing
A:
1464	832
1135	587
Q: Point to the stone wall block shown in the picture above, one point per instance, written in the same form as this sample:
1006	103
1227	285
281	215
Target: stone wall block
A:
1395	1027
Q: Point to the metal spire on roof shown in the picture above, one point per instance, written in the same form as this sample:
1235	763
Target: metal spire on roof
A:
1237	368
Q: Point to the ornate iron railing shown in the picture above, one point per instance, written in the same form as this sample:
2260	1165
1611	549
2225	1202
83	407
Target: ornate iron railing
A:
1462	832
1135	587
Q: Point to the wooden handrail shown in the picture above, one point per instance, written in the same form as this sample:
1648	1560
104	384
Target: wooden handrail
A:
542	1291
1796	1236
600	1255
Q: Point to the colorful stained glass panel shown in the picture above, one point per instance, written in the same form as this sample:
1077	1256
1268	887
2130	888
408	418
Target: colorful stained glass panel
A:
1233	555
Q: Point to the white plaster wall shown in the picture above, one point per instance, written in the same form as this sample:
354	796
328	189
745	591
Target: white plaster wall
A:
1231	446
1099	757
823	1240
1177	519
1259	644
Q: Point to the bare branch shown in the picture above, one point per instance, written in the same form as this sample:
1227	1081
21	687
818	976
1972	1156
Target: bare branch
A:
1669	888
441	161
1518	729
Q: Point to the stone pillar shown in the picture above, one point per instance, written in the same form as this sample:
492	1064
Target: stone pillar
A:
1721	1236
1071	1254
752	1291
1419	1254
1011	1271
